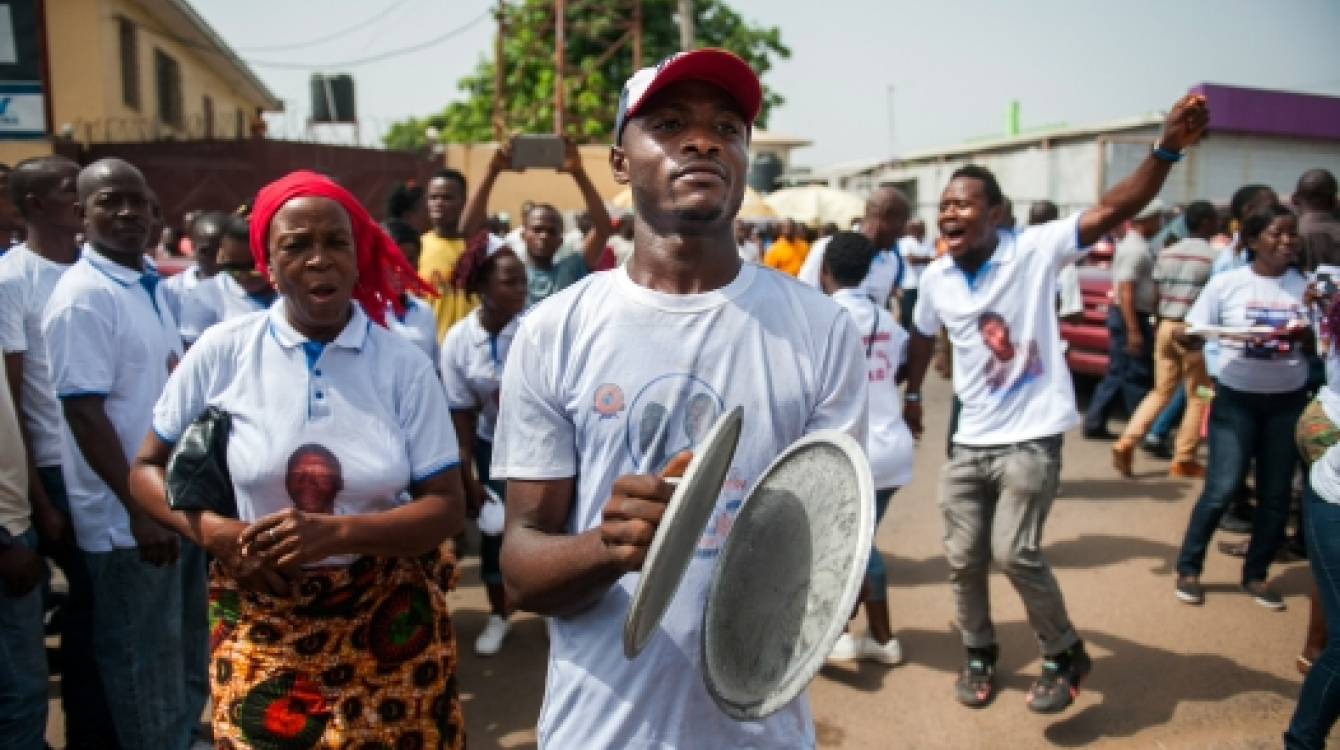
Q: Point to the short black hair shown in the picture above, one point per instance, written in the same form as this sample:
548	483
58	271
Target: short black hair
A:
402	199
34	176
994	196
1316	187
1244	196
549	208
1261	219
237	229
848	257
989	317
1198	213
447	173
1042	212
217	219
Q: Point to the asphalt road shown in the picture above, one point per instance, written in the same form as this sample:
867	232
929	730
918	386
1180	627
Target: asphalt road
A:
1166	675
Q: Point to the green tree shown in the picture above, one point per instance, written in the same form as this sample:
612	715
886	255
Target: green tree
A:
592	86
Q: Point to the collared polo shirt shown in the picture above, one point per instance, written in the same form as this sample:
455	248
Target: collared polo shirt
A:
26	282
215	300
1009	369
1181	273
472	368
108	332
341	428
177	288
417	325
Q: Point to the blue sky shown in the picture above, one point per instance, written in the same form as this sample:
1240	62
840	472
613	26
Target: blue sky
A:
955	64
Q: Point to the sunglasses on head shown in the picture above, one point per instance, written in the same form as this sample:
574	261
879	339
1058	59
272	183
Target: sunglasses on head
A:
239	270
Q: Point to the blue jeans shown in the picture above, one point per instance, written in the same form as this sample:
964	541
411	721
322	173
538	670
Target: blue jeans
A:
874	569
137	616
23	666
87	718
490	547
1319	701
1170	417
1128	378
1244	426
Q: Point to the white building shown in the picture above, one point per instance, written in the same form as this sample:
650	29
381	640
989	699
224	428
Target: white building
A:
1256	136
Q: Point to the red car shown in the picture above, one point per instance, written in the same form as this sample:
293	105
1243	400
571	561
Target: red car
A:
1087	338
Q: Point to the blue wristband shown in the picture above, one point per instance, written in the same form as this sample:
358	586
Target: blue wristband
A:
1166	155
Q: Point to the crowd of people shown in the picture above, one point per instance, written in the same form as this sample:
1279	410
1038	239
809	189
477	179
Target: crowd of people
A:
379	386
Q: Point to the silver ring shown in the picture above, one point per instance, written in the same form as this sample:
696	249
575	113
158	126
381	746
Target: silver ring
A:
271	535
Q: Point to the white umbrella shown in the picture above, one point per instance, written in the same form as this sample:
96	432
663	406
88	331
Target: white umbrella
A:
815	204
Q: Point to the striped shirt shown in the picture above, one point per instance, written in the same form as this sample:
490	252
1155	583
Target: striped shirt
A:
1181	272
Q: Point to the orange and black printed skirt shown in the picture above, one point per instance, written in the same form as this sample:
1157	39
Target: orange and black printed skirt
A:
364	658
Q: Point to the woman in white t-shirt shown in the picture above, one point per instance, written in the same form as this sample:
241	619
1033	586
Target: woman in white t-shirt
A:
328	592
1260	394
473	354
846	262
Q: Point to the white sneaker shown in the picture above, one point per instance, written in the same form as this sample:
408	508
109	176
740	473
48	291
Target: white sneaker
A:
890	654
846	649
490	641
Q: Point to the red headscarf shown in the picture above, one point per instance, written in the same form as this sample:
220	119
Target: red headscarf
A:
379	258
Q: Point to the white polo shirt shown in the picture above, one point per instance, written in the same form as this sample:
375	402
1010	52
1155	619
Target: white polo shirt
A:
417	325
608	378
1013	381
215	300
26	282
367	406
884	343
108	334
885	272
472	368
177	288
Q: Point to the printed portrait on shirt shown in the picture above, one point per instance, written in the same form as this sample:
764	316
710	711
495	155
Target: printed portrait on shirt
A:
1011	365
671	414
314	479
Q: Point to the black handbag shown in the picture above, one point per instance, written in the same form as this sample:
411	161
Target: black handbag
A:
197	470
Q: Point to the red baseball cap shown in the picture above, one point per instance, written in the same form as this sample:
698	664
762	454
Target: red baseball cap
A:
711	64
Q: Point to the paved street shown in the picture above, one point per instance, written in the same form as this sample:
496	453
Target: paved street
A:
1166	675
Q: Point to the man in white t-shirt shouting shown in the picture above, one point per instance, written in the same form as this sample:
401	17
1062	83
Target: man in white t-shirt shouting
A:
995	293
608	379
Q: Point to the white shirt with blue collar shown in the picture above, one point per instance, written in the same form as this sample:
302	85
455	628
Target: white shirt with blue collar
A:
109	332
417	325
366	409
215	300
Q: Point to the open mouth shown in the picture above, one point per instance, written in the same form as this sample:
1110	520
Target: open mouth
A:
954	234
321	293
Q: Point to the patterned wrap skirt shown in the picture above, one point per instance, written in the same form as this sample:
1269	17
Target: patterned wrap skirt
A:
1315	433
362	658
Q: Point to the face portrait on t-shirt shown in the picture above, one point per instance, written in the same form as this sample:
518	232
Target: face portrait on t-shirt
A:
698	418
314	479
1005	371
672	413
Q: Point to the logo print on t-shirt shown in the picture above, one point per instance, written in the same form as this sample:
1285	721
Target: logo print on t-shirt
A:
1006	370
314	479
608	401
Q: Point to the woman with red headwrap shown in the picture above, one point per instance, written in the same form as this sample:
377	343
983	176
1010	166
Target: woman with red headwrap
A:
328	593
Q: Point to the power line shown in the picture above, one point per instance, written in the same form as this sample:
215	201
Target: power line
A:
362	25
375	58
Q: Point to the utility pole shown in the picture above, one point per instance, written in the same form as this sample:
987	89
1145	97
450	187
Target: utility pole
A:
560	62
637	35
499	79
686	25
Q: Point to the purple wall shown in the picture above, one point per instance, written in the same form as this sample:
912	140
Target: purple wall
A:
1271	112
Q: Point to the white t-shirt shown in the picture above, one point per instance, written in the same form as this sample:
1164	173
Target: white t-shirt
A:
609	378
418	326
347	425
472	368
177	288
908	247
15	512
891	444
1009	369
1071	296
106	335
1240	298
213	301
879	281
26	281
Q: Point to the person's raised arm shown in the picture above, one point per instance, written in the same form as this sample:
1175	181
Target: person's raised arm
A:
1184	126
593	244
475	216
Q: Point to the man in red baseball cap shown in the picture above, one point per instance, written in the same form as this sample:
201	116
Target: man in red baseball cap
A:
611	376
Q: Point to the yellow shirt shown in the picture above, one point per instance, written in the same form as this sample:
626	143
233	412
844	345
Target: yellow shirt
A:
436	261
787	255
